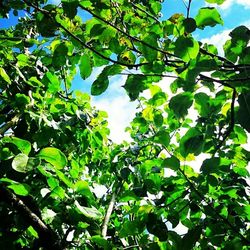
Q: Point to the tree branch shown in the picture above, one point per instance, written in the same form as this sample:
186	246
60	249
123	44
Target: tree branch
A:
126	34
47	238
9	124
108	214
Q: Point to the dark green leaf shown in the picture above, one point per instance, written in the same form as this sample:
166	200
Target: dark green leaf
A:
189	240
70	8
191	142
190	25
243	113
85	66
172	163
186	48
181	103
134	85
149	53
162	137
157	227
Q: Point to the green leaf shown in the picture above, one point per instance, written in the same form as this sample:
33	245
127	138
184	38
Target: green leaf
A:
215	165
4	75
202	104
172	163
100	85
186	48
82	187
149	53
92	212
54	156
20	189
100	241
208	17
216	1
181	103
189	25
243	113
52	82
240	33
23	145
162	137
134	85
21	100
70	8
59	56
189	239
85	66
191	142
157	227
20	163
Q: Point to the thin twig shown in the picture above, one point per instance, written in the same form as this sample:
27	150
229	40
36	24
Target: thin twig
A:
126	34
144	11
9	124
188	7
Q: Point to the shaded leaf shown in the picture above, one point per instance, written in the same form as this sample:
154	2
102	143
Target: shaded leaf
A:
243	113
181	103
162	137
186	48
189	239
85	66
191	142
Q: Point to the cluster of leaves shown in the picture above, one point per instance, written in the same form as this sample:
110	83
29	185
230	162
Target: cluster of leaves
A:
54	146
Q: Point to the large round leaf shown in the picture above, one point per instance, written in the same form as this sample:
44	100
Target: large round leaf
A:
186	48
20	163
54	156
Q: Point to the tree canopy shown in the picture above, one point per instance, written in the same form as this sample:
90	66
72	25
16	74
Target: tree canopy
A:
55	150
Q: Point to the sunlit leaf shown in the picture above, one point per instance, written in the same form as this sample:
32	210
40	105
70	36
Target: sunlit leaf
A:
23	145
53	156
92	212
20	189
208	17
20	163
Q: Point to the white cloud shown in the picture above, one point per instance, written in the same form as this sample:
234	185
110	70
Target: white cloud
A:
218	40
229	3
120	109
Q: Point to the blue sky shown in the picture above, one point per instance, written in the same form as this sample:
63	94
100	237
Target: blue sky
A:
115	100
